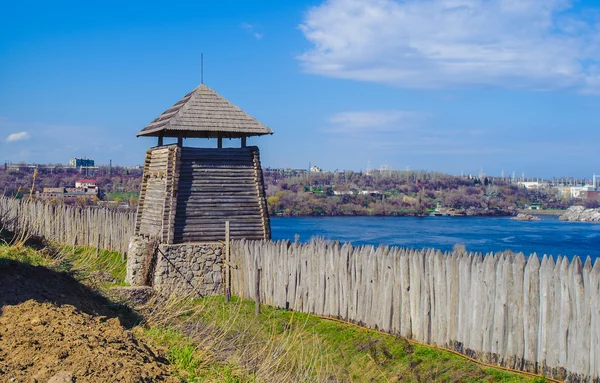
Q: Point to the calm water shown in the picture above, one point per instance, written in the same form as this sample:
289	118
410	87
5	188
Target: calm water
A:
481	234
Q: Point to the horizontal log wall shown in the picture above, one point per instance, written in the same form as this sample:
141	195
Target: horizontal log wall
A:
218	185
157	194
96	227
541	317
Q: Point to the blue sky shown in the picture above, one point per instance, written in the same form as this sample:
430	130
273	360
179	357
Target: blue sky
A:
447	85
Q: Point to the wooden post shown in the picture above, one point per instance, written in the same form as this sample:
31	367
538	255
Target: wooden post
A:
257	292
243	142
160	140
220	142
179	142
98	246
227	269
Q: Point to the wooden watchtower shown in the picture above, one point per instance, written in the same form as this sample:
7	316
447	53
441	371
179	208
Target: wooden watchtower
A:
188	193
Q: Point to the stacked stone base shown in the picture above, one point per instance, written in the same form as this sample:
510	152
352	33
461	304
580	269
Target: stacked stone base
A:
184	270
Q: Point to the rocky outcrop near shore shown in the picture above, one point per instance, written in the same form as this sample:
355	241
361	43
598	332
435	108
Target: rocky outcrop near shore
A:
525	217
581	214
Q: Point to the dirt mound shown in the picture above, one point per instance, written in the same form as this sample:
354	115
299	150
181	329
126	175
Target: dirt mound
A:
55	329
20	282
41	340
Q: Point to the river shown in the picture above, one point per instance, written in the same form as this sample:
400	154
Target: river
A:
480	234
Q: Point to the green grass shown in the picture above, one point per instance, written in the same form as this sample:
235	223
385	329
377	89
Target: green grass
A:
84	262
24	254
123	196
193	363
342	352
88	261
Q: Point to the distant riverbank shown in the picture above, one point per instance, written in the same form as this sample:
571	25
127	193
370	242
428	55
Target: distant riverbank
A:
552	212
446	212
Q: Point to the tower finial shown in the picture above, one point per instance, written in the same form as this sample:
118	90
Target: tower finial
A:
201	68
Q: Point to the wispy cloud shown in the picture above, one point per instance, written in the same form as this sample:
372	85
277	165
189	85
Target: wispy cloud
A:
48	143
21	136
531	44
389	133
367	122
252	29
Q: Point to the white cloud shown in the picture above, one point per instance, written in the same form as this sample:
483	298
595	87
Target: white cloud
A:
368	122
252	30
17	137
533	44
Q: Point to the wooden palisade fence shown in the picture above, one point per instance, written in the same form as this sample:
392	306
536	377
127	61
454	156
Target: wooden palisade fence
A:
526	314
96	227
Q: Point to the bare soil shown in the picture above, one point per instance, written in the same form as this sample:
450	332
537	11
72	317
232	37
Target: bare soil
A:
52	328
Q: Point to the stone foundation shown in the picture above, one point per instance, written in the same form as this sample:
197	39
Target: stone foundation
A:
189	269
185	270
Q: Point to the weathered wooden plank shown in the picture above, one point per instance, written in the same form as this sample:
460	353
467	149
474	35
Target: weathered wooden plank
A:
199	201
181	223
217	191
186	170
217	228
223	213
202	181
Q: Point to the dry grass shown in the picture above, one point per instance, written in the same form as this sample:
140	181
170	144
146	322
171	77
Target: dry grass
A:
285	346
228	334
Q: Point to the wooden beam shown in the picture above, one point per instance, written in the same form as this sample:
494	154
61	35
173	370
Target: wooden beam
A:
227	262
257	291
243	142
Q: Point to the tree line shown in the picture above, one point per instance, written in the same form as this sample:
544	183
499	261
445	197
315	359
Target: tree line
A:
115	183
395	193
301	193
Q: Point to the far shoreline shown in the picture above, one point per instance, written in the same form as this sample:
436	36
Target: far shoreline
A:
400	216
547	212
553	212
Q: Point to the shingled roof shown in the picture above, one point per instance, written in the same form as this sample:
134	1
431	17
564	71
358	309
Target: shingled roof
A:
203	113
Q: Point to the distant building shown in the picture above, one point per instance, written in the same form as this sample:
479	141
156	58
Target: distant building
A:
83	188
531	184
50	193
346	192
581	191
81	163
369	192
592	195
85	183
315	169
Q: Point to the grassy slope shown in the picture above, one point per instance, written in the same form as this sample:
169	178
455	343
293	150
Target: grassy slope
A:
326	350
123	196
210	340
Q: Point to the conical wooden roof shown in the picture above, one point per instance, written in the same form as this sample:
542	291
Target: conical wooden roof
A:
203	113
